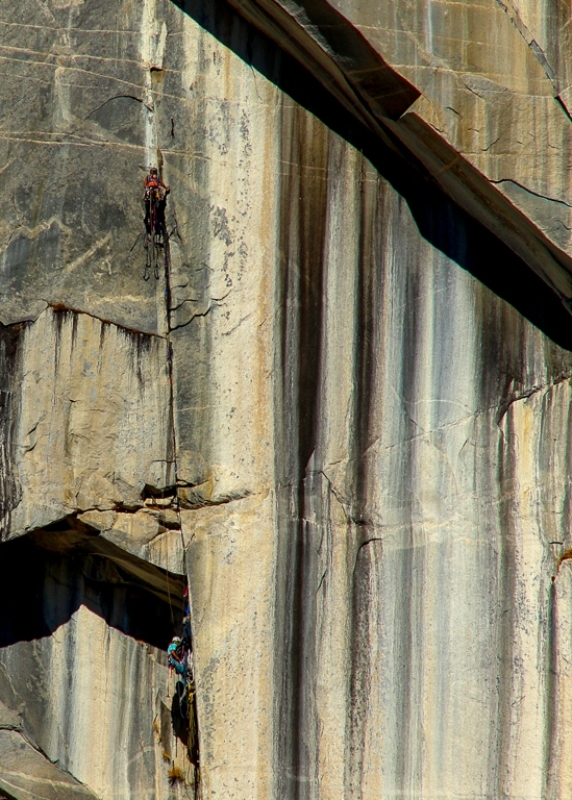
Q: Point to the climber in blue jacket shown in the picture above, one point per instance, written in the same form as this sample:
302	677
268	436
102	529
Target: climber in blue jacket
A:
177	656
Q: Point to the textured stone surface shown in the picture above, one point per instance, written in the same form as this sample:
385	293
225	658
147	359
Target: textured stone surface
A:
463	86
67	371
82	665
343	410
26	774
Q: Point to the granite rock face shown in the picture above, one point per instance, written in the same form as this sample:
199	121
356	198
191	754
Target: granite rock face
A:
340	413
462	86
73	359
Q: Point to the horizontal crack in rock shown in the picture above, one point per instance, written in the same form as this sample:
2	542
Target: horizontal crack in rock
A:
531	191
61	308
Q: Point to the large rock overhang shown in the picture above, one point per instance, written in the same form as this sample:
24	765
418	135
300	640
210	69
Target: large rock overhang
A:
335	52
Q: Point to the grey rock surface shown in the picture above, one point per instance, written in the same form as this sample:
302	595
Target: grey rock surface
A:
341	410
26	774
63	371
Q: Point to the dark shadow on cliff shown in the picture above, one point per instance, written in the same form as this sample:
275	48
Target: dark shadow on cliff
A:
46	576
440	221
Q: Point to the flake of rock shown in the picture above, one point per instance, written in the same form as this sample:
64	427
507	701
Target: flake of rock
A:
26	774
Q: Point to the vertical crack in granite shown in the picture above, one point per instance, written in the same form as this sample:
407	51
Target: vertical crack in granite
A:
505	622
526	628
10	370
365	343
193	749
551	712
364	624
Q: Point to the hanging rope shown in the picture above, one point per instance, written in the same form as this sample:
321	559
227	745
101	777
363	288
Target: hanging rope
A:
192	738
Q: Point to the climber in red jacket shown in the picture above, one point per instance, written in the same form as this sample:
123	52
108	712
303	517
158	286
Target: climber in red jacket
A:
156	190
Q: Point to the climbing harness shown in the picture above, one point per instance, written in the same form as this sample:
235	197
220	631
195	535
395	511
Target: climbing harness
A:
156	236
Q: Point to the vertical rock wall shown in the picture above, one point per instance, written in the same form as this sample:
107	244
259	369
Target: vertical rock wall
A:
428	511
342	410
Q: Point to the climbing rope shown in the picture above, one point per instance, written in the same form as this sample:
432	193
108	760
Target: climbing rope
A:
192	738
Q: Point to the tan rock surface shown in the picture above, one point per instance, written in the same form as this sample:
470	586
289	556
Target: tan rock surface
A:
27	774
343	410
467	90
78	387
